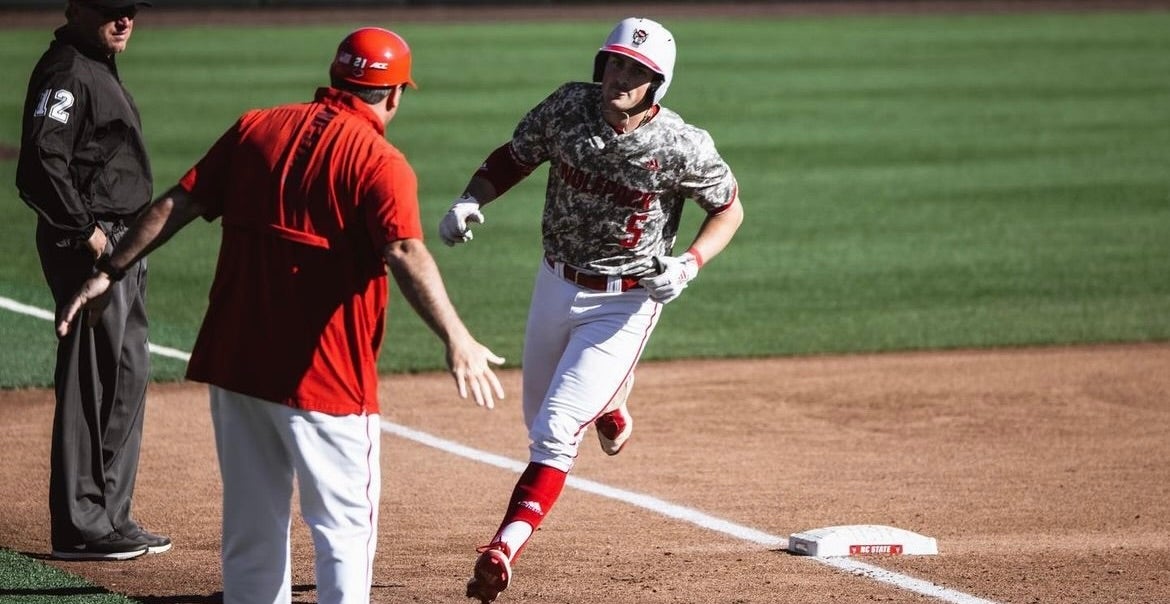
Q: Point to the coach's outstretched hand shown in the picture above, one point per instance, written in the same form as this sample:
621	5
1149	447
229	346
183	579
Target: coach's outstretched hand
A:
470	364
419	281
92	297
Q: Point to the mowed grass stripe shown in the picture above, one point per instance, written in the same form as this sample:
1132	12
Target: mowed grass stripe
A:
910	182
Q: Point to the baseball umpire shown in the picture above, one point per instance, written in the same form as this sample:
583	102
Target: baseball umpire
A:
84	169
621	166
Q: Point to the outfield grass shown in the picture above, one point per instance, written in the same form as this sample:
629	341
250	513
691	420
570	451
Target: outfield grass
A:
909	182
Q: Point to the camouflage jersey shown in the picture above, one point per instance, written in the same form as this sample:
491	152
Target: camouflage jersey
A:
614	201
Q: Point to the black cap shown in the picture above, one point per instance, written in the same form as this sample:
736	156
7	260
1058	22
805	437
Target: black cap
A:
114	3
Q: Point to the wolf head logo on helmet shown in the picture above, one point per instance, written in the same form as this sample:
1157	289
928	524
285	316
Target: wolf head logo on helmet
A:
644	41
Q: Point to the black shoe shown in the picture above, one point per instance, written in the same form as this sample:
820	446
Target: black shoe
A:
111	547
155	544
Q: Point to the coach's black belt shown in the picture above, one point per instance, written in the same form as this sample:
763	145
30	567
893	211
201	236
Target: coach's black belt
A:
591	281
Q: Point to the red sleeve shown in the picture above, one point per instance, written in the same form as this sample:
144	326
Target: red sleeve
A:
391	203
503	169
207	180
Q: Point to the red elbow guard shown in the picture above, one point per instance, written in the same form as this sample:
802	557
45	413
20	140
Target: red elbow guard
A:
503	170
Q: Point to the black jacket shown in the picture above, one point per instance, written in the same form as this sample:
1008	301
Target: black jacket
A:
82	156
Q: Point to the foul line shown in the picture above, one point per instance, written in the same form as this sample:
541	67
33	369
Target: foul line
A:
32	311
646	502
691	516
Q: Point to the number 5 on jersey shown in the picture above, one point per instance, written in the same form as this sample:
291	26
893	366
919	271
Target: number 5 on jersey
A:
634	228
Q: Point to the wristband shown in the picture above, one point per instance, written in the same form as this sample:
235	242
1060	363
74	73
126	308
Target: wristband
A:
103	265
698	257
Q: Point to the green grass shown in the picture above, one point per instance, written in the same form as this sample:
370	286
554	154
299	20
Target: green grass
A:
911	182
26	581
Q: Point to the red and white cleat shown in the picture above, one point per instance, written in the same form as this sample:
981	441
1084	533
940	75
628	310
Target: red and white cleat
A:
615	426
492	574
614	429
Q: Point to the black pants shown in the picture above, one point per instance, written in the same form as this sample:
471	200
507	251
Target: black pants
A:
101	377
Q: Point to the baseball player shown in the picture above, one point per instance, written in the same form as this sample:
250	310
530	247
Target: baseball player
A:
621	167
315	205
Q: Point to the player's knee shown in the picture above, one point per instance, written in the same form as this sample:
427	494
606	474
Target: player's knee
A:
561	460
554	439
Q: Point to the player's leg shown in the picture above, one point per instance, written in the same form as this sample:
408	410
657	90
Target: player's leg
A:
535	492
257	472
610	333
615	425
553	330
340	486
545	338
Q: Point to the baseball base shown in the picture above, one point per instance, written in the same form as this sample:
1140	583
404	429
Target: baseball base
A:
860	540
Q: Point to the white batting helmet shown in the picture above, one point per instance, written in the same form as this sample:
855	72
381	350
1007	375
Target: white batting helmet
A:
644	41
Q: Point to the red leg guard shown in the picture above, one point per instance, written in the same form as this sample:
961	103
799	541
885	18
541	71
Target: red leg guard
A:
536	491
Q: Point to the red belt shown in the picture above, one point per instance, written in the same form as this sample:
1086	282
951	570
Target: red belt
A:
591	281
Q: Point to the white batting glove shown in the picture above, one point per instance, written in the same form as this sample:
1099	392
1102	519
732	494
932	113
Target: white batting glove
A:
674	275
454	227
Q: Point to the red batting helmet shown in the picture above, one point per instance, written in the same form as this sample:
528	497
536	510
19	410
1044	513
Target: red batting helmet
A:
374	57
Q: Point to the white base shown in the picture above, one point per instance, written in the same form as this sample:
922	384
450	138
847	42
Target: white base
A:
861	540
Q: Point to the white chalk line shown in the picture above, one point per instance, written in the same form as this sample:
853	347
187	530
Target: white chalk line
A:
647	502
32	311
691	516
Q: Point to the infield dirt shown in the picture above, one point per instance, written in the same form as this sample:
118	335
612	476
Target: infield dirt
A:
1043	473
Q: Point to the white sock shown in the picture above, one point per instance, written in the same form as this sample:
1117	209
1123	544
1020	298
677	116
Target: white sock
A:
515	535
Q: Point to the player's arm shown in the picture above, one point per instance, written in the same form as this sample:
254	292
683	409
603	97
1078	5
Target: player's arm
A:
716	232
166	216
418	279
501	171
675	272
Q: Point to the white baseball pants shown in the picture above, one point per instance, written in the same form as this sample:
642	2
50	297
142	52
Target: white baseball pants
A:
262	447
579	347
